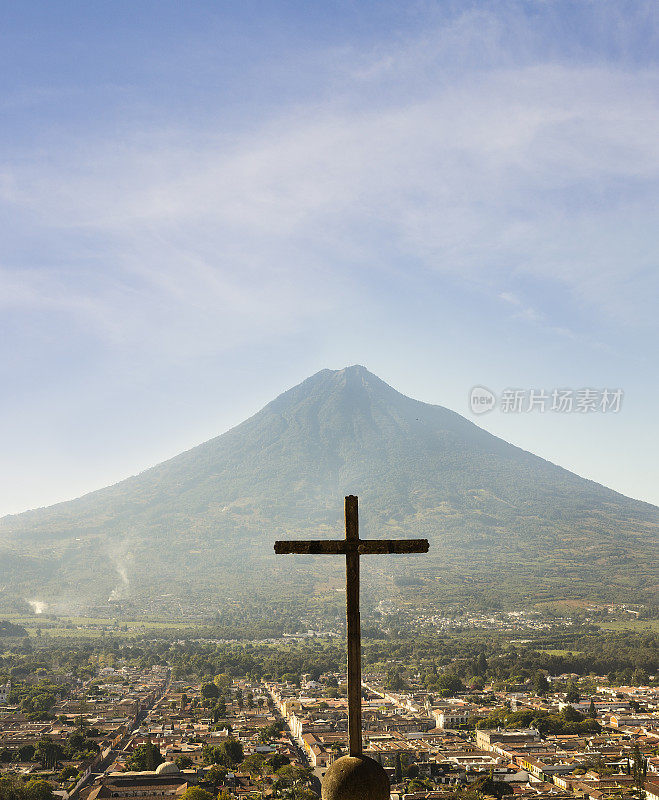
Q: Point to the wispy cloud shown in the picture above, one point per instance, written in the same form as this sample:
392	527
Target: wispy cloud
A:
543	171
522	311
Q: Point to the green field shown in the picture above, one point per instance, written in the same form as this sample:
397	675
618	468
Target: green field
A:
562	652
637	625
95	627
88	627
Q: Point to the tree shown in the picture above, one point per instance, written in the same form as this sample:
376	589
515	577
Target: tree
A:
448	683
304	793
196	793
277	760
570	714
408	768
228	754
68	772
216	774
213	754
419	785
76	742
209	691
26	752
639	771
572	694
48	752
271	732
38	789
223	683
295	779
183	762
487	785
144	758
540	684
11	788
481	665
233	750
592	711
640	677
254	764
394	681
398	769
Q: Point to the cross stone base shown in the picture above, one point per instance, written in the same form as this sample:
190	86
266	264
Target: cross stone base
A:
355	778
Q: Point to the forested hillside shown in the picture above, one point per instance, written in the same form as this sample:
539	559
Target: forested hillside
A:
196	532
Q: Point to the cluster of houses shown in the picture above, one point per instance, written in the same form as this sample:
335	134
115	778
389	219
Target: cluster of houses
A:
430	746
437	744
183	728
102	712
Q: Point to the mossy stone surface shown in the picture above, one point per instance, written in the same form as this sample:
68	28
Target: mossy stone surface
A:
355	778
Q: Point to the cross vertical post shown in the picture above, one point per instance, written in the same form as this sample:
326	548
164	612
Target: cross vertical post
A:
353	630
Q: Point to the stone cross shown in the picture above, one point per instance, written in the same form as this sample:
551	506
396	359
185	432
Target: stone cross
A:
353	547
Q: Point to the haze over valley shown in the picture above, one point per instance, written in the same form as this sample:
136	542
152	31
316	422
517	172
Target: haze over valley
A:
195	533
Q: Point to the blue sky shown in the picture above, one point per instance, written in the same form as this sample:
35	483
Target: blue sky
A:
202	203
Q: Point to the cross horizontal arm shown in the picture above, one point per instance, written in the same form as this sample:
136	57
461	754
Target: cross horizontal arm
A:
364	547
332	547
381	546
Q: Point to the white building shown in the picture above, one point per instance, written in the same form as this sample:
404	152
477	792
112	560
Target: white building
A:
451	717
4	692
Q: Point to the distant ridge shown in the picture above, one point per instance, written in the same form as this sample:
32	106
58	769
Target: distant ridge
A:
196	531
